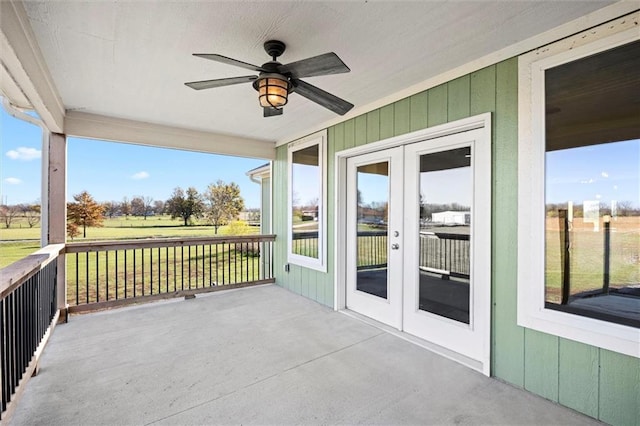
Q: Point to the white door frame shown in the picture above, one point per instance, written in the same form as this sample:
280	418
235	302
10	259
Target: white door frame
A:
482	121
389	310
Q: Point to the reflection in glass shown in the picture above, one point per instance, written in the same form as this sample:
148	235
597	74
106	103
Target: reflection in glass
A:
306	193
373	215
445	229
592	229
592	186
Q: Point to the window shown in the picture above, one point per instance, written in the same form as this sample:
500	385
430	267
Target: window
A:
579	192
306	207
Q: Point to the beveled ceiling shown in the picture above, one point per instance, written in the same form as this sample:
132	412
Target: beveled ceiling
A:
130	59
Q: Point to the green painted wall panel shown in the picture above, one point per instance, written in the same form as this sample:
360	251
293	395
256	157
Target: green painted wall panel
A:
386	122
541	364
402	117
483	91
338	138
349	134
458	94
419	109
361	130
437	104
619	389
373	126
578	376
508	338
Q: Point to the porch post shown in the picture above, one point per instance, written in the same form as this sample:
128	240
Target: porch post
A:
56	218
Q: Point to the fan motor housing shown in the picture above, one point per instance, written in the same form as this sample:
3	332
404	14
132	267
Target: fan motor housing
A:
274	48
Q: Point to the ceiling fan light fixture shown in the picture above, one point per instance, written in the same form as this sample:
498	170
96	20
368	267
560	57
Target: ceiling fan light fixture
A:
273	90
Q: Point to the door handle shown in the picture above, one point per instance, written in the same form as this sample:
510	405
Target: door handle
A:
395	246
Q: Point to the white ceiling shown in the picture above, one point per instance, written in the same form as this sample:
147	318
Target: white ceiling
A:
129	59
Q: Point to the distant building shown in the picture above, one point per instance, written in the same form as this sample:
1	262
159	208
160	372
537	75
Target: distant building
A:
451	218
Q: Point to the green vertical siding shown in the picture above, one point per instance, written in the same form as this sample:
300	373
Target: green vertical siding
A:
619	391
373	126
579	366
437	105
418	110
596	382
402	117
541	364
508	338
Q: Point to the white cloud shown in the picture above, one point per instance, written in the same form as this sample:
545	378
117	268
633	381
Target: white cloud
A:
140	175
24	154
604	174
587	181
13	181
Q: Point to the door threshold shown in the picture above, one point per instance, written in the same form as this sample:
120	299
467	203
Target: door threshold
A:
432	347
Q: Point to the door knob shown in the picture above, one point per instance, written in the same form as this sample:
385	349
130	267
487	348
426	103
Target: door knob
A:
395	246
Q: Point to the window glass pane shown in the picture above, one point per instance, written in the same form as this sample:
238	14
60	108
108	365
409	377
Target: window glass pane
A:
446	187
592	186
305	199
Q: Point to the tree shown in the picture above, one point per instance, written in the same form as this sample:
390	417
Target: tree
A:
142	206
8	213
158	207
72	230
85	212
125	206
110	208
185	206
147	203
137	206
31	213
224	203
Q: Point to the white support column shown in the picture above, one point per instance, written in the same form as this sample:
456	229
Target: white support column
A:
56	201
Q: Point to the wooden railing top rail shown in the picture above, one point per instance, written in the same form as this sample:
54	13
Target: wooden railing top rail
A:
12	276
92	246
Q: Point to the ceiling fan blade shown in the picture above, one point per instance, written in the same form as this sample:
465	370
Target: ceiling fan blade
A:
272	112
328	63
319	96
220	82
229	61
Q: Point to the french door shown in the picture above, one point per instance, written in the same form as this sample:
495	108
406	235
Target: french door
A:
374	235
418	242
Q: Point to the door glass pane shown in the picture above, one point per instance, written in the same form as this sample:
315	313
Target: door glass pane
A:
445	229
372	216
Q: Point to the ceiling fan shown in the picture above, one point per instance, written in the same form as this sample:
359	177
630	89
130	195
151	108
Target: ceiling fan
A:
276	81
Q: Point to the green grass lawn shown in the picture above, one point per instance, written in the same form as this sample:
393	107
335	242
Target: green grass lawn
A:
587	257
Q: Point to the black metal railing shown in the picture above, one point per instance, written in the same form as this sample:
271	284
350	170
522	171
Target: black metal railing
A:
305	243
28	311
108	273
372	249
445	253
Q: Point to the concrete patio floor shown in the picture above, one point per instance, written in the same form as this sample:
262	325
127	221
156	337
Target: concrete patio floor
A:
260	355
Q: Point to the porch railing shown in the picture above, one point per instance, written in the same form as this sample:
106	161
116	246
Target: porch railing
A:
111	273
372	249
445	253
28	314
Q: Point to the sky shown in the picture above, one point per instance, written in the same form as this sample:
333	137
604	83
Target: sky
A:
110	171
598	172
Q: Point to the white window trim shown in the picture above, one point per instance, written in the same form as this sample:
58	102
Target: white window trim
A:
531	192
319	264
